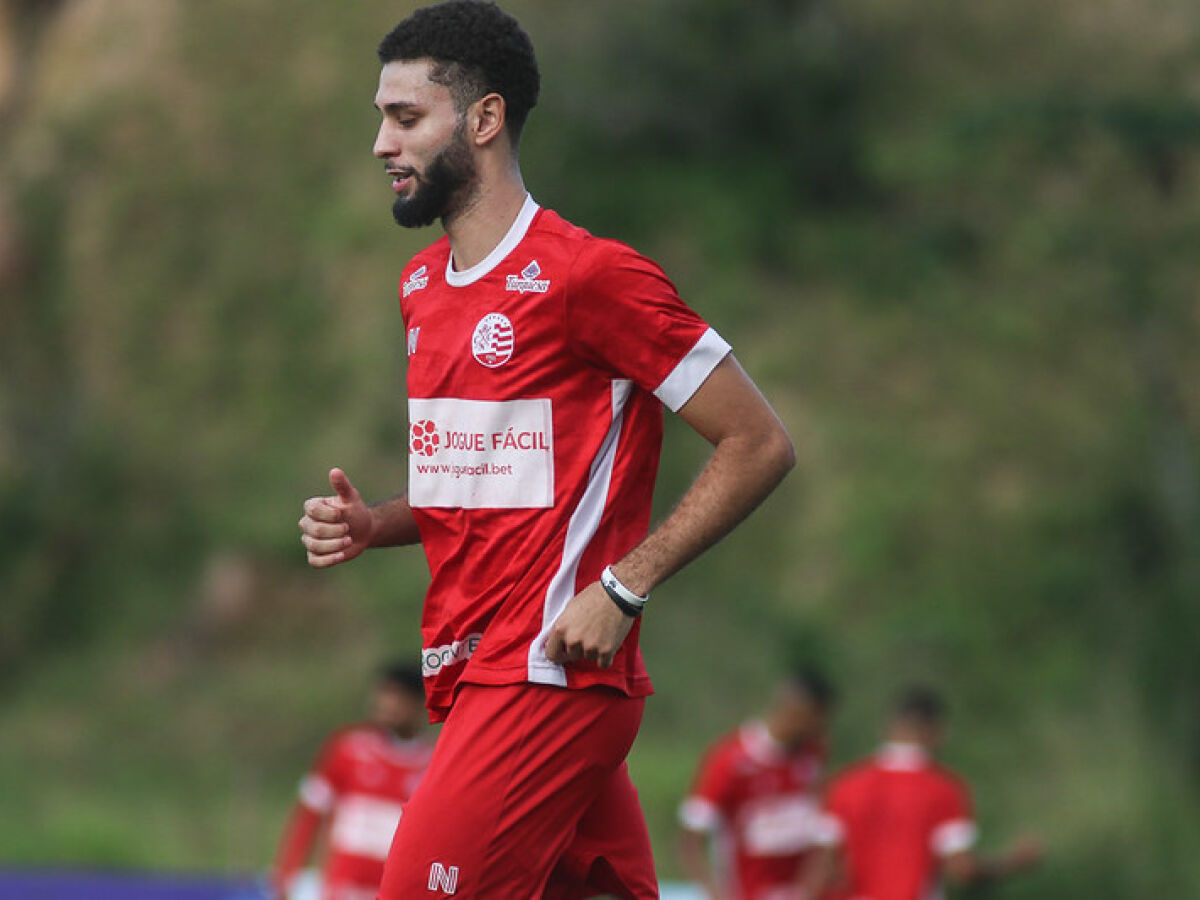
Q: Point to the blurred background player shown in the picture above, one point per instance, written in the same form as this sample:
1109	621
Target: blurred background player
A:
752	816
357	789
895	825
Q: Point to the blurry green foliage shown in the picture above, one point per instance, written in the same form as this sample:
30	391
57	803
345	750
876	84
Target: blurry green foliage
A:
692	106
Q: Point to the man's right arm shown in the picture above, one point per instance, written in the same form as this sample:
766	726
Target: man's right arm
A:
294	849
693	852
967	867
820	871
309	817
701	815
954	842
823	870
341	526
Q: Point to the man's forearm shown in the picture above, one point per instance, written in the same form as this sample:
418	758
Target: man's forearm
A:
818	874
693	860
968	868
296	846
740	474
393	523
993	868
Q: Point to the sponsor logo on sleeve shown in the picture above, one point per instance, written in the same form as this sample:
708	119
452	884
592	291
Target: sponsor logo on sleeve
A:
416	281
480	454
528	282
413	334
363	825
493	340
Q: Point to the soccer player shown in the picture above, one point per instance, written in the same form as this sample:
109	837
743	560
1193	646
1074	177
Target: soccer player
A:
897	823
357	790
755	799
539	360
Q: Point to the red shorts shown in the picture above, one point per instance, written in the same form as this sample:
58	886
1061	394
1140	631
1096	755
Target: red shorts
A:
527	796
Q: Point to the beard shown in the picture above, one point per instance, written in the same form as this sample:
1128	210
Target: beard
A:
441	189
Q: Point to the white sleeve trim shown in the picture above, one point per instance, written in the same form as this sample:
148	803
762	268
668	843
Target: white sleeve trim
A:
954	837
677	388
698	814
317	794
829	831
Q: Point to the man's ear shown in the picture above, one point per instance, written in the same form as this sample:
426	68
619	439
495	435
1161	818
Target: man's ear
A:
488	115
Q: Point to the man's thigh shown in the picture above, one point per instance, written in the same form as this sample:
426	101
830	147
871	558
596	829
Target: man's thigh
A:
610	854
515	769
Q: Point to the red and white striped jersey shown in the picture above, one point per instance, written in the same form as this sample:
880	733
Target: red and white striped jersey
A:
359	784
536	381
761	801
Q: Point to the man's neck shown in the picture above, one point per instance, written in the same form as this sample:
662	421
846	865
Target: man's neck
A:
399	733
903	755
476	229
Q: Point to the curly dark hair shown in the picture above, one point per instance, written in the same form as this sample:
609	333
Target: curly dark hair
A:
477	49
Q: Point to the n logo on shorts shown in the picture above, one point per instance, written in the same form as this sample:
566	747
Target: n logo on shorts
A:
443	879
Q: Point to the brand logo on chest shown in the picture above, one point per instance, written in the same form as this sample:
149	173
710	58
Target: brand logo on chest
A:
528	281
493	340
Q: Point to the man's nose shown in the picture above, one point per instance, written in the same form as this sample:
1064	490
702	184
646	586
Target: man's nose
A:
386	143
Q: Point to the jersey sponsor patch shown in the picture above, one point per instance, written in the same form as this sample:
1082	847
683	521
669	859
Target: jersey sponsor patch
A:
780	825
434	659
481	454
364	825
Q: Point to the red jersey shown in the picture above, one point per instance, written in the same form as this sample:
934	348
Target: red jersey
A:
536	381
896	816
761	801
359	783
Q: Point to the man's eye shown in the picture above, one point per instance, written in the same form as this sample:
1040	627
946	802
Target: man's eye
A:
407	123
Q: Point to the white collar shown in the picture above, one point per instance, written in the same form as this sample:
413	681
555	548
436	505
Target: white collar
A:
902	756
405	745
508	243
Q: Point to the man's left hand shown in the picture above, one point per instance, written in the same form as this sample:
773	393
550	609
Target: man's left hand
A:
590	628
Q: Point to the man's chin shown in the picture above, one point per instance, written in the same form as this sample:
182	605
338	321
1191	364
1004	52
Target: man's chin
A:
409	214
